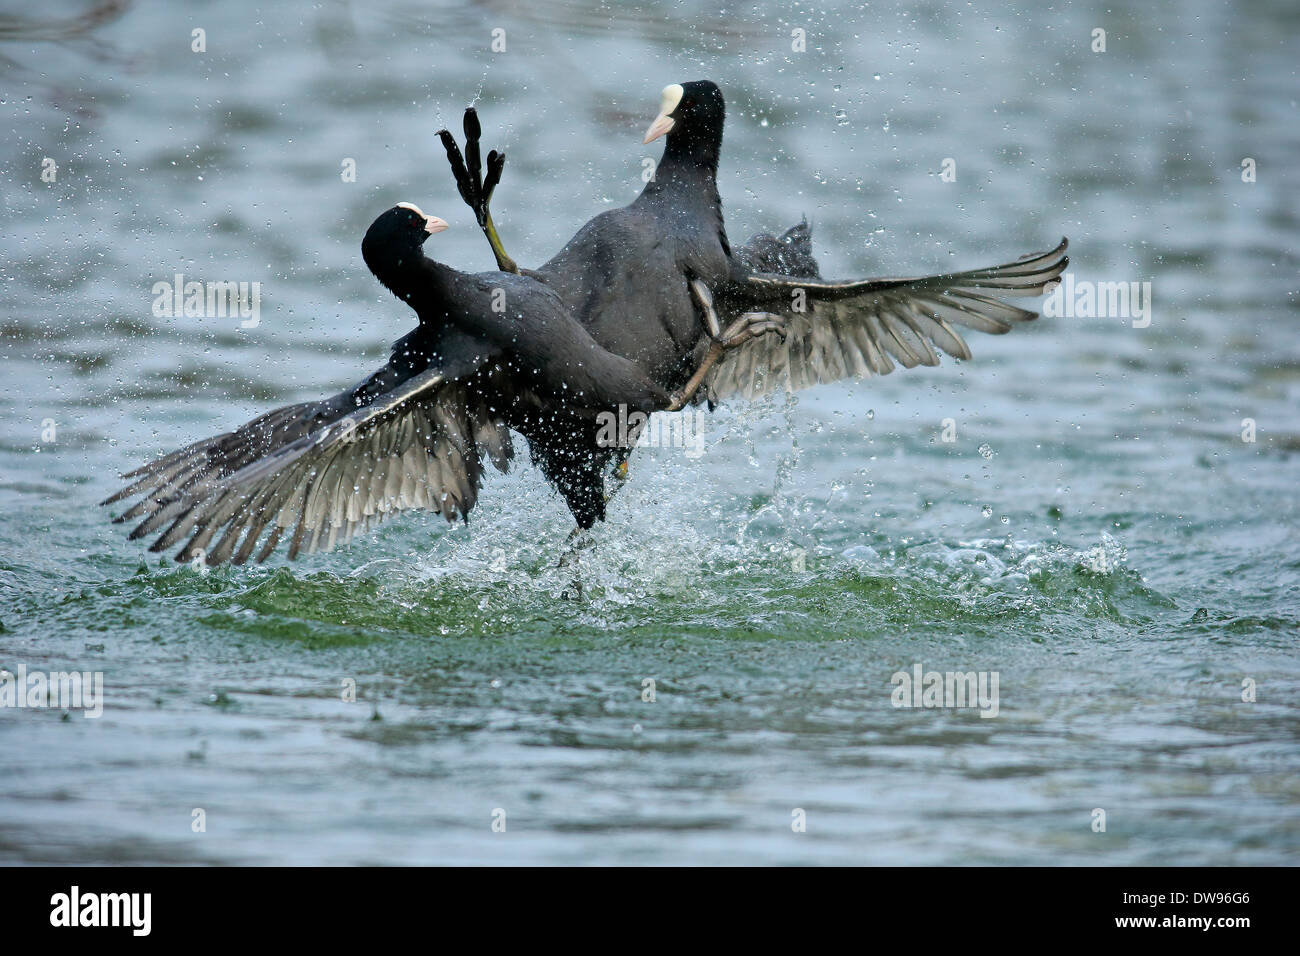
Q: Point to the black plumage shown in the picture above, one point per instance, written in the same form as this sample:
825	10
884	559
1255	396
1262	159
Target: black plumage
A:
627	274
834	329
613	320
624	274
493	352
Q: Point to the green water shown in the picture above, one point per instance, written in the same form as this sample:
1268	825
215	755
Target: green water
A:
1098	534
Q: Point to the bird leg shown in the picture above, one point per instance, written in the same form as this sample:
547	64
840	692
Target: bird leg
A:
474	188
579	540
748	326
618	473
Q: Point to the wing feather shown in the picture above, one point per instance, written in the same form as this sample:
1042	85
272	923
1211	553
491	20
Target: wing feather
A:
322	471
861	328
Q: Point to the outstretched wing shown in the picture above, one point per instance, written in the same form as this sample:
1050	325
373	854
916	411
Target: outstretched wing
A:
326	470
859	328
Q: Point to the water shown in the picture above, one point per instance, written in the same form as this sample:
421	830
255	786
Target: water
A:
1098	533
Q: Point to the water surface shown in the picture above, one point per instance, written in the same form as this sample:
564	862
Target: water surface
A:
1098	534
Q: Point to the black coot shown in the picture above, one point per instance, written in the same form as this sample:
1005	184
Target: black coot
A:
493	351
627	274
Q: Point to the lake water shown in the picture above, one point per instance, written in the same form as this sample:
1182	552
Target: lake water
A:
1100	533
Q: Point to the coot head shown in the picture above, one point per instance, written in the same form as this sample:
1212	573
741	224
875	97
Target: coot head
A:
398	233
689	111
